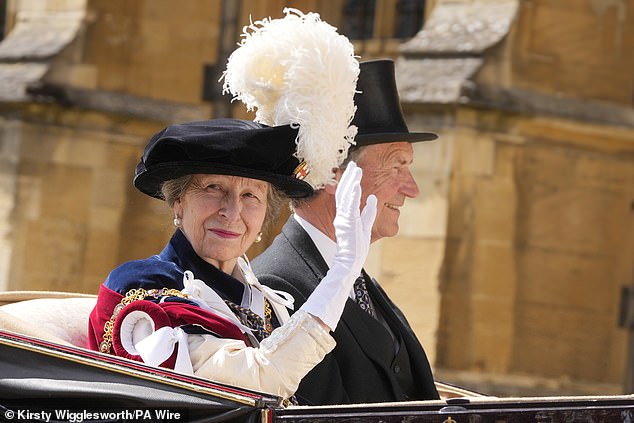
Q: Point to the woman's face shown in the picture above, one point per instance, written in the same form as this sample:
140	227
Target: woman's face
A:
221	216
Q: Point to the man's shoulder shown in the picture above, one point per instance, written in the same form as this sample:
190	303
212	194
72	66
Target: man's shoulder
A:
280	259
276	256
287	247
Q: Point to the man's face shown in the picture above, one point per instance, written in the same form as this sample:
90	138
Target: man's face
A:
386	174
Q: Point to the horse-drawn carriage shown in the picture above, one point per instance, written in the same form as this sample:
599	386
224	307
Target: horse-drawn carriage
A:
47	376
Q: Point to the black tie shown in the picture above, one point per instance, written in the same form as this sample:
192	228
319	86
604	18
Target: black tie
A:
362	297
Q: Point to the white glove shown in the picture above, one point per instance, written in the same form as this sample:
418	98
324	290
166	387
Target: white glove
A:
353	230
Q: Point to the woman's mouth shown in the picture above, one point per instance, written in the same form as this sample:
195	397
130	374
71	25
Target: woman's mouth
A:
392	206
224	233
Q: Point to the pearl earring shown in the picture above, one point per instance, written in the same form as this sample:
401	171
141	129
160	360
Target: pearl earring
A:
258	238
177	221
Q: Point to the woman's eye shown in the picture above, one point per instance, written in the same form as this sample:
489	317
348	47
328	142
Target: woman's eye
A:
250	195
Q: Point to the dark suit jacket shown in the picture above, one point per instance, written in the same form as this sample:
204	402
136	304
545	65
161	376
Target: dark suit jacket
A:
362	367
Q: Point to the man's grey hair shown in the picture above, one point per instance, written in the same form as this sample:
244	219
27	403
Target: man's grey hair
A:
353	155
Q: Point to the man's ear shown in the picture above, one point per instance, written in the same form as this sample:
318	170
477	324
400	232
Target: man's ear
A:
331	186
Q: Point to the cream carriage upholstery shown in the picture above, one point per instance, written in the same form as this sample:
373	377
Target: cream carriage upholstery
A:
54	316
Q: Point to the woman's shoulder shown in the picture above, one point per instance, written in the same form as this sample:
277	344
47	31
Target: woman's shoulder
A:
149	273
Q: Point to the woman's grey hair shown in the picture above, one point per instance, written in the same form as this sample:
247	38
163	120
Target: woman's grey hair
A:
174	189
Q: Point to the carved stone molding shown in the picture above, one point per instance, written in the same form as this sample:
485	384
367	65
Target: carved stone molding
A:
42	31
440	60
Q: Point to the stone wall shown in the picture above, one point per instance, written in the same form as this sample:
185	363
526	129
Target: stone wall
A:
69	224
9	159
540	228
539	245
510	263
85	83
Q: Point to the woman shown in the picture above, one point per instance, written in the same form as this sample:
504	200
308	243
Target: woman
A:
197	307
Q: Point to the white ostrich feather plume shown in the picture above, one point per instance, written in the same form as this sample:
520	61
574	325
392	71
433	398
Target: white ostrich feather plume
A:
298	70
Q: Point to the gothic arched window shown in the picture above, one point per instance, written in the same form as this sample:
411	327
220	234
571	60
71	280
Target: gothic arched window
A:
409	18
3	18
358	19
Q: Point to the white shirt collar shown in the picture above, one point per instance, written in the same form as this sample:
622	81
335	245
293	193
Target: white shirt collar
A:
326	246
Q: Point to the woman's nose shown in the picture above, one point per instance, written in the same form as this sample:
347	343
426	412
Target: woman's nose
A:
230	209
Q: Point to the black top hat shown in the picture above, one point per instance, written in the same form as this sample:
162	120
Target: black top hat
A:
379	117
222	146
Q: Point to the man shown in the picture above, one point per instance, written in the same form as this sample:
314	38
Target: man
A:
378	357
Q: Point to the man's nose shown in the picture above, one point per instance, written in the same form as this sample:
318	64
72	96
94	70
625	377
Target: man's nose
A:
409	187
